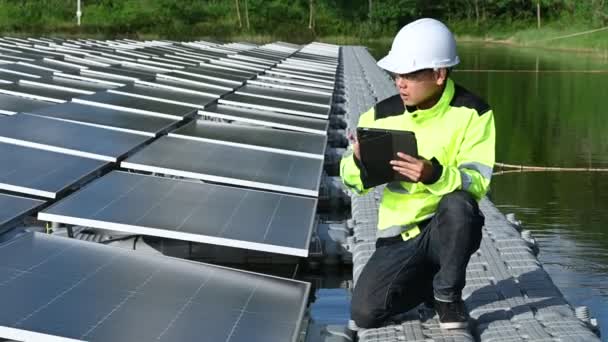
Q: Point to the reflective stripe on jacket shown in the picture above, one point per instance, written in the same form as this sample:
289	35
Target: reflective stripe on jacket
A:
458	131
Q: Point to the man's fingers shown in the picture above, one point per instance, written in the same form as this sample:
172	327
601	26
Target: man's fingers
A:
408	173
407	157
406	165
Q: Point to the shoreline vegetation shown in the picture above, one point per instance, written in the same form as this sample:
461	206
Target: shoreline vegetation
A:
570	25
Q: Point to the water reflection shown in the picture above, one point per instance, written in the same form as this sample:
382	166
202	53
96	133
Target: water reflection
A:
567	213
542	118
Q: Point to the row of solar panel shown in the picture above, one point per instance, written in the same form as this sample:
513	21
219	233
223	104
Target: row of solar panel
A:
257	158
111	294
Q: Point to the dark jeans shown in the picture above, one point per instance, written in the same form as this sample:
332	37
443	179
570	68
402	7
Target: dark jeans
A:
402	274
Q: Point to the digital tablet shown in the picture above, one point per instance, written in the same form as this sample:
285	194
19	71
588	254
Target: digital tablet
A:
378	147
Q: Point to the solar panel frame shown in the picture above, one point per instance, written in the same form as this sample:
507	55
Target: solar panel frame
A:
143	204
91	289
206	160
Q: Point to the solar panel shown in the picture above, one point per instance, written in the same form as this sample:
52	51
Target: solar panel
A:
301	77
39	93
313	60
266	118
42	173
304	69
204	89
197	81
59	289
259	59
138	105
23	69
291	87
14	207
90	87
108	118
15	78
118	71
321	101
219	74
10	105
229	164
237	65
266	54
306	60
256	61
191	211
293	81
275	105
268	139
199	78
67	137
181	98
296	73
47	64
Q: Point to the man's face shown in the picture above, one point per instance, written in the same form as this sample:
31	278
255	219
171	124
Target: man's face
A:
420	86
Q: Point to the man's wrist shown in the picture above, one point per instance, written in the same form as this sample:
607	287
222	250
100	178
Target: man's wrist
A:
437	171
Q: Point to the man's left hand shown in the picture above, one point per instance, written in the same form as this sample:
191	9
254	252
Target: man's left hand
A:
417	170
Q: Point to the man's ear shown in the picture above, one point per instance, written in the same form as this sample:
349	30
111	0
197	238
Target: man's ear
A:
441	76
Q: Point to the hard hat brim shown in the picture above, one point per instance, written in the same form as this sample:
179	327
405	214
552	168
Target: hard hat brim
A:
391	64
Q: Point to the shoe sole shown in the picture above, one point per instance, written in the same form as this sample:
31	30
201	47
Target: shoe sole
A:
453	325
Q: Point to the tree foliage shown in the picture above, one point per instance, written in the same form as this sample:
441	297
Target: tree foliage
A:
286	19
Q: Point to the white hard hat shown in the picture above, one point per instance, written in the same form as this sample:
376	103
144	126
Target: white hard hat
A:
422	44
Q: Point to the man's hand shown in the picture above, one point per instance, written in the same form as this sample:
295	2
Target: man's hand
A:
417	170
353	140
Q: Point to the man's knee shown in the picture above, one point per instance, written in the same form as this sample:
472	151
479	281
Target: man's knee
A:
461	211
366	314
459	201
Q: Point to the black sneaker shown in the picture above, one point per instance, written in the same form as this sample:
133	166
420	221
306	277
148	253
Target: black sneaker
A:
452	315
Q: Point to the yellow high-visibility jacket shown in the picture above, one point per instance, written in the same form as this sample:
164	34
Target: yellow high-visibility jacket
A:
457	135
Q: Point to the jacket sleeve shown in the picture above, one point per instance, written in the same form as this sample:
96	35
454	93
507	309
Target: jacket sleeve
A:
352	171
475	160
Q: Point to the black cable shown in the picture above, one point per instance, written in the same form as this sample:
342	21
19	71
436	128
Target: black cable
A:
135	241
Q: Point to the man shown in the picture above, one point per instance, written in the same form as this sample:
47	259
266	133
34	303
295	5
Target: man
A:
429	227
